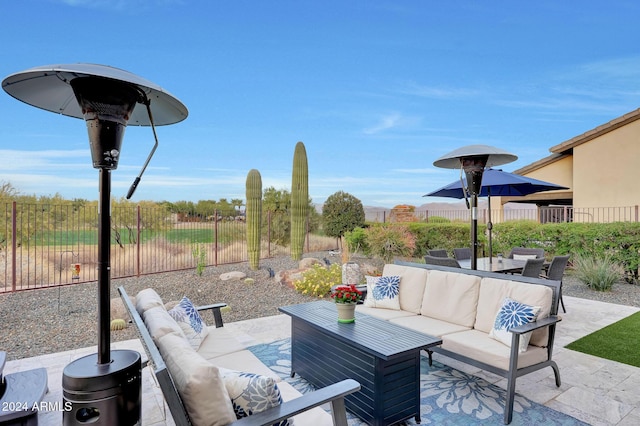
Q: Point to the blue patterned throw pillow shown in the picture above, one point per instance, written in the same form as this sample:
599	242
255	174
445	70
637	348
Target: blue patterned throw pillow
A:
383	292
251	393
190	321
513	314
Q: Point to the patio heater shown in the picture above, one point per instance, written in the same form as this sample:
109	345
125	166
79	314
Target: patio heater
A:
103	388
473	159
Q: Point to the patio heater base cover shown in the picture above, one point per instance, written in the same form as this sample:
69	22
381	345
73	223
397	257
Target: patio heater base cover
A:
108	394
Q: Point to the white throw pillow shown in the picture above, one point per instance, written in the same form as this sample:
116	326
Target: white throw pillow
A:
513	314
524	256
251	393
190	321
383	292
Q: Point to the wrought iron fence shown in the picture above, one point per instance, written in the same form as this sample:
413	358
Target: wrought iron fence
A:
553	214
52	245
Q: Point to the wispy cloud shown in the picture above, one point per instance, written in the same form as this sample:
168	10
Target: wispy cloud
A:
437	92
43	160
385	123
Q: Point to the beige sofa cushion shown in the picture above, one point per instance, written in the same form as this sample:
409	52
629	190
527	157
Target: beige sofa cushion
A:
219	341
159	323
316	416
493	292
198	382
147	299
479	346
385	314
452	297
412	283
430	326
244	360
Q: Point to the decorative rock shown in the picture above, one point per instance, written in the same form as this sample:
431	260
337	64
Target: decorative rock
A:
351	273
308	262
369	269
249	281
117	308
233	275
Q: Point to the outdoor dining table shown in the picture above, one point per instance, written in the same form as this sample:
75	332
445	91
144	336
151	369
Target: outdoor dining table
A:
505	265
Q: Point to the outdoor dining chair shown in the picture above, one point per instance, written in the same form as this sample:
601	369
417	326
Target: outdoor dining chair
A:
438	253
526	251
556	272
442	261
533	268
462	253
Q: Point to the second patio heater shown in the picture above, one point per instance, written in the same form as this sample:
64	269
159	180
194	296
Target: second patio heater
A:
472	160
103	388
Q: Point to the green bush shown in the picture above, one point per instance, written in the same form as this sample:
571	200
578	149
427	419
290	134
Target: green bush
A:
442	236
389	241
437	219
318	280
357	241
597	273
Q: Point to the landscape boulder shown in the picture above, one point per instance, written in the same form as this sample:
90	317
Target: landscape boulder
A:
233	275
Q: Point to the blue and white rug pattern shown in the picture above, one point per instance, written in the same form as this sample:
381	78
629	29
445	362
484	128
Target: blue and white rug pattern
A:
448	396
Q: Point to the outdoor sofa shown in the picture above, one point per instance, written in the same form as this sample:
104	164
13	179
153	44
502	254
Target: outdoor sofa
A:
460	306
195	382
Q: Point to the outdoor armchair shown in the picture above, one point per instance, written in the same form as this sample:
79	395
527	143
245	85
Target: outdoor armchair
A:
556	272
442	261
438	253
525	251
462	253
533	268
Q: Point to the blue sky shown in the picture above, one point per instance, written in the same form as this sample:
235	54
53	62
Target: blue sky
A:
376	90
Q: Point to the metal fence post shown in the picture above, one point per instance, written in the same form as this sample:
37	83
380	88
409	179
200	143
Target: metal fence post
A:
14	245
215	237
138	226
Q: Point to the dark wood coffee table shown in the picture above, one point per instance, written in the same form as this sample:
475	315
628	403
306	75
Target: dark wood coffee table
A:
383	357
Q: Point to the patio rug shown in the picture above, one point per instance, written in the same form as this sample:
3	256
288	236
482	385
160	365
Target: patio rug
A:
448	396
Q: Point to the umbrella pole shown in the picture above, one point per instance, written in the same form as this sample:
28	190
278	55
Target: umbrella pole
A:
474	230
490	225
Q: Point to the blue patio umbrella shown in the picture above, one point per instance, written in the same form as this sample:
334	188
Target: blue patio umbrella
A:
497	183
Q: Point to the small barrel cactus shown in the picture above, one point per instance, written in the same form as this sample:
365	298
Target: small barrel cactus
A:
118	324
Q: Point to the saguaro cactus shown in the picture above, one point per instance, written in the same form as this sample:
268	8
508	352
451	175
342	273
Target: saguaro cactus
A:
299	200
254	217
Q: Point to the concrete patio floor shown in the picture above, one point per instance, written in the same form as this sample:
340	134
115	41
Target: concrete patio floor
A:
594	390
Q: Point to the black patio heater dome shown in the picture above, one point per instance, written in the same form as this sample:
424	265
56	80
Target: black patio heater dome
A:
102	388
473	159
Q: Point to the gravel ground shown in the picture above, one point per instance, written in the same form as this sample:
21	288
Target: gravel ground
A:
44	321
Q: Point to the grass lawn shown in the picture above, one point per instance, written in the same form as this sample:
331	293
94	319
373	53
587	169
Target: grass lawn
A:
619	341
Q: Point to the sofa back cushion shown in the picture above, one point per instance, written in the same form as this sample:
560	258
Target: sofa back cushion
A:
493	291
147	299
451	297
412	284
198	382
159	323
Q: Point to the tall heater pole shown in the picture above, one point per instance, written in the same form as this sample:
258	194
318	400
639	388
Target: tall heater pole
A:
104	267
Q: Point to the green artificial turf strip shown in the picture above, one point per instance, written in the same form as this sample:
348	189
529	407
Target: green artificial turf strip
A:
619	341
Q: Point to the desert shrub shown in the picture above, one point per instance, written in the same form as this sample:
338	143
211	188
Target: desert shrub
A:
199	253
357	241
390	241
597	273
318	280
